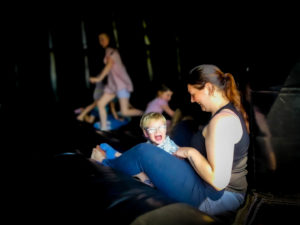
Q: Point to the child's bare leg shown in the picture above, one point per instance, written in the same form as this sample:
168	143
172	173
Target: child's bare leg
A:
102	102
127	110
86	110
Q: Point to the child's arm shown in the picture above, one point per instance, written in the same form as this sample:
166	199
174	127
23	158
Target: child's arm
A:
168	110
103	73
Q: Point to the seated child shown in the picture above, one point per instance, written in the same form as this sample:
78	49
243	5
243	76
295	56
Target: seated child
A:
154	128
160	103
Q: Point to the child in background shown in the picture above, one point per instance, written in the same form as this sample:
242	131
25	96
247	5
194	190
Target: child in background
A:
118	85
154	128
160	104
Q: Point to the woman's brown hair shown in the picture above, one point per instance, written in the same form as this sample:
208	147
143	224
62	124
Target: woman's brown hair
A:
202	74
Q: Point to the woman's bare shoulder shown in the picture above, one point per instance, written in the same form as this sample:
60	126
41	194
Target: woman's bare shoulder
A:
226	123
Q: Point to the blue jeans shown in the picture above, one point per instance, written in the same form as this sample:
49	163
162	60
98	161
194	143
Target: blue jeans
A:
172	176
229	202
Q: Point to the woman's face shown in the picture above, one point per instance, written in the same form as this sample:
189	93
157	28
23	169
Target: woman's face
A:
103	40
199	96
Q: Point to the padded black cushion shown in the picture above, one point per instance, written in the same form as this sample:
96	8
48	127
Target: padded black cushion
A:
175	214
84	187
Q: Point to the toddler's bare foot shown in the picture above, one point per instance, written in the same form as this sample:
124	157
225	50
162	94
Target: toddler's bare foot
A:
98	154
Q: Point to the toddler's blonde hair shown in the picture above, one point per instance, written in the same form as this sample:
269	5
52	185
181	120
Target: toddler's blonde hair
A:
148	117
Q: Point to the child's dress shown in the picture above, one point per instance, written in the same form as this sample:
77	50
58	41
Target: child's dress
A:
118	78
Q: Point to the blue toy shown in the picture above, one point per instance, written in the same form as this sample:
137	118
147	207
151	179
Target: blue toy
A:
112	123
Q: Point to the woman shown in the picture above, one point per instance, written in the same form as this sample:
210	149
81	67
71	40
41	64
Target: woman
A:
119	83
213	177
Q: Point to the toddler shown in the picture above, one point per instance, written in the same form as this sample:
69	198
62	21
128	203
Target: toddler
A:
154	127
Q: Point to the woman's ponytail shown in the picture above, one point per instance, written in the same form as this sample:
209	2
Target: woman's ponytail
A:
234	96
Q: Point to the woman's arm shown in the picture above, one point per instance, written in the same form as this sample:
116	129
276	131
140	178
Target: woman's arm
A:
198	161
222	133
103	73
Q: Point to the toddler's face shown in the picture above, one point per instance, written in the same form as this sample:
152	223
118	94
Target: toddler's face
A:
156	131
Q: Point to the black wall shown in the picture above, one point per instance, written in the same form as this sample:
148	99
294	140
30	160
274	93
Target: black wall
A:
251	43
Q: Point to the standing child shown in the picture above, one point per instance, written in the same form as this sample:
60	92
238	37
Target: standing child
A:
118	83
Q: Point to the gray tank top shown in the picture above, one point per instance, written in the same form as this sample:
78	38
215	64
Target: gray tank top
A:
238	181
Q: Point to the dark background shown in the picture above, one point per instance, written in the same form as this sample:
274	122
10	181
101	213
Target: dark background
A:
254	43
257	44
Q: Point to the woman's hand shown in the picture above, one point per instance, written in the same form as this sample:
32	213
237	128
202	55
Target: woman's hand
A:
182	152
